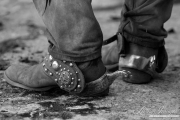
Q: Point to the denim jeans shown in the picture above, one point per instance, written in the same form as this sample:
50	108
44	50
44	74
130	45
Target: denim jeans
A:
75	34
72	29
142	21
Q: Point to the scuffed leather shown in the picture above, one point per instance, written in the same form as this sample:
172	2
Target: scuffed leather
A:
111	55
162	59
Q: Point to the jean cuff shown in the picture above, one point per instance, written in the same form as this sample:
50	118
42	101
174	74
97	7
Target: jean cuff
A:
143	41
82	58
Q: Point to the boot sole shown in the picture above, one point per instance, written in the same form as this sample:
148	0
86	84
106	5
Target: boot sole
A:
26	87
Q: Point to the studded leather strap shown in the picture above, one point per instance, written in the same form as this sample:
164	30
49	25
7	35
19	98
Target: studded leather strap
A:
66	74
70	78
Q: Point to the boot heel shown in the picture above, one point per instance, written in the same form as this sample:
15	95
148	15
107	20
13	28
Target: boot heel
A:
140	62
137	76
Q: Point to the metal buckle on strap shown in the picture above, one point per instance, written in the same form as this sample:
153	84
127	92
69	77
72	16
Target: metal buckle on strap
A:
147	65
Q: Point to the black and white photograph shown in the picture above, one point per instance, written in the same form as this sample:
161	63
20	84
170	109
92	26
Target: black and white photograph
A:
89	59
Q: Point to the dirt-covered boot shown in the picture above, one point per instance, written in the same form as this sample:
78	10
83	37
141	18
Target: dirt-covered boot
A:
142	63
82	79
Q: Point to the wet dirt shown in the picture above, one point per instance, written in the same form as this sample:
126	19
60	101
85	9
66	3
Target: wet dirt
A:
22	40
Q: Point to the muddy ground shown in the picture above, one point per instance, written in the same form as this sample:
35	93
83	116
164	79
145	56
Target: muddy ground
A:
21	36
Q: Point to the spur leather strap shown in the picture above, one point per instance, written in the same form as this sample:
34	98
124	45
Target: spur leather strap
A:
66	74
70	78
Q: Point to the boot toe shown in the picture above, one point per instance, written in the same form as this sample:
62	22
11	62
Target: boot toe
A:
10	76
28	77
11	72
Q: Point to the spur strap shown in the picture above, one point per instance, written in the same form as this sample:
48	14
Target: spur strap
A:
70	78
66	74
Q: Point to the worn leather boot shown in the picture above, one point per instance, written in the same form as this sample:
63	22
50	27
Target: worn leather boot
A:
141	63
82	79
110	56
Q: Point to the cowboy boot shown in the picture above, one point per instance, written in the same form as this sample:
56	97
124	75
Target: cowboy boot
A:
82	79
142	63
141	37
74	61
